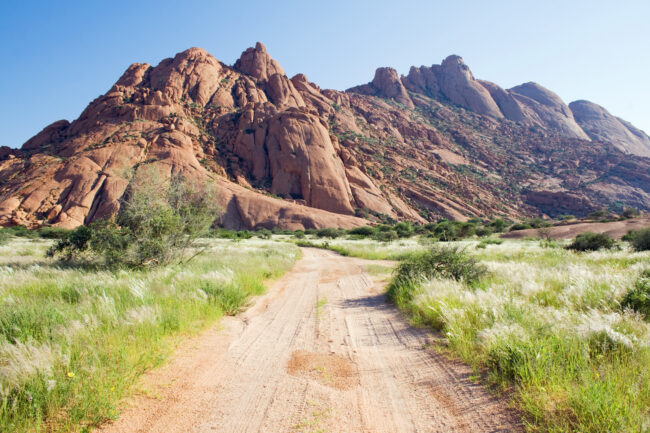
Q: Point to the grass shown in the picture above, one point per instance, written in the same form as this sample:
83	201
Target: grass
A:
368	248
548	324
73	341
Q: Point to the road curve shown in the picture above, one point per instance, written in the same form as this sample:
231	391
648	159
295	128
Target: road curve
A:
322	351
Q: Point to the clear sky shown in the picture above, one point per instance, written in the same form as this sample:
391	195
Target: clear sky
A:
59	55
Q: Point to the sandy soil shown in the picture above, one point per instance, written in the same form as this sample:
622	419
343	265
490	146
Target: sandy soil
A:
615	229
322	351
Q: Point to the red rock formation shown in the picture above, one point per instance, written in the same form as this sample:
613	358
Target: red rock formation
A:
600	125
323	155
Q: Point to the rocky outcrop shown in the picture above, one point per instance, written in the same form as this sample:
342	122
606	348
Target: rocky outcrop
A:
283	152
386	84
600	125
256	63
458	84
545	108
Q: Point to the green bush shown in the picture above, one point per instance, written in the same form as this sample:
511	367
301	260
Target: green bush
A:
52	232
386	236
591	242
329	233
403	229
638	298
630	212
362	231
498	225
490	241
264	234
484	231
519	226
640	239
438	262
157	223
445	231
599	214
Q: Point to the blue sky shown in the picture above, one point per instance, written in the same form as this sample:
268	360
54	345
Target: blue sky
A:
58	56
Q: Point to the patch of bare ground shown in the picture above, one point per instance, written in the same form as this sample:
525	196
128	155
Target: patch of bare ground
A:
615	229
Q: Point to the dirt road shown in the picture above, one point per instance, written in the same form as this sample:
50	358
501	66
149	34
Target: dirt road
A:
321	352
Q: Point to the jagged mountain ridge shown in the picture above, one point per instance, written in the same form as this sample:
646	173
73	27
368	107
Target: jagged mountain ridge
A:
436	143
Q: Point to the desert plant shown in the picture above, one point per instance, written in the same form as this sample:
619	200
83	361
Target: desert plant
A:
158	222
591	242
630	212
362	231
640	240
638	298
386	236
264	233
438	262
403	229
329	233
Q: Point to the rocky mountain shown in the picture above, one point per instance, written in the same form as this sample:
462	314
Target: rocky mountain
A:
284	152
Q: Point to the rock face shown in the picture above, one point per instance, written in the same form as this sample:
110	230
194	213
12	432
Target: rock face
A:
600	125
284	153
545	108
386	84
458	84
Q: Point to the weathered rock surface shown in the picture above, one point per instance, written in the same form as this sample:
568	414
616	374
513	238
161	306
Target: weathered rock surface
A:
386	84
283	152
547	109
458	84
600	125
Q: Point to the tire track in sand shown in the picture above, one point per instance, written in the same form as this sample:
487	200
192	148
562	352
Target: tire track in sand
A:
238	378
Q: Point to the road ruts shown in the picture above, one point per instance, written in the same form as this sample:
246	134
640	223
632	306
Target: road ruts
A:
235	378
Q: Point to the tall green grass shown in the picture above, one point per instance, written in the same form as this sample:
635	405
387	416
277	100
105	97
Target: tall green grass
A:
73	341
548	324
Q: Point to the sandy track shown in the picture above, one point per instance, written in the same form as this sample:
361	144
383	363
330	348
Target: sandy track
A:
321	352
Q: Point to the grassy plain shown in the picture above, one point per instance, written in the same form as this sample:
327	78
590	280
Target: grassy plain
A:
74	340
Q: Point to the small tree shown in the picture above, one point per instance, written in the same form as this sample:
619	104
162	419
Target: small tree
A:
158	221
591	242
640	239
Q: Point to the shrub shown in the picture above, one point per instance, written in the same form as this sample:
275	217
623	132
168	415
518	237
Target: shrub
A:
498	225
597	214
328	233
403	229
591	242
362	231
519	226
490	241
641	240
52	232
465	230
630	212
538	222
20	231
263	233
157	223
72	245
386	236
638	298
446	231
484	231
438	262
